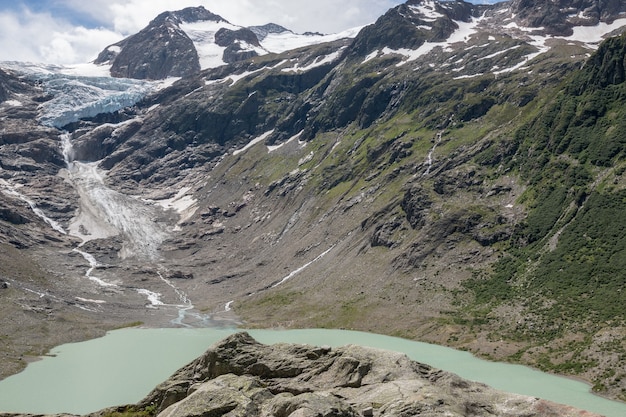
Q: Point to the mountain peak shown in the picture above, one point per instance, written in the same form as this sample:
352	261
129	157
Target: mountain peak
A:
160	50
189	15
262	31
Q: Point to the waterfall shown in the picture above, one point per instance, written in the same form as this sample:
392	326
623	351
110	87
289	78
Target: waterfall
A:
429	158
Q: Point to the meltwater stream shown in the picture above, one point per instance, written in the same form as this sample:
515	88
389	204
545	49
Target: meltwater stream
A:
106	213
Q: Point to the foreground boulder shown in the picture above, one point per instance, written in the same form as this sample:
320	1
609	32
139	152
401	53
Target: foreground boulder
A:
242	377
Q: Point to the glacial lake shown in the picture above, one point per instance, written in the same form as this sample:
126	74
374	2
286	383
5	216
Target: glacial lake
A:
125	365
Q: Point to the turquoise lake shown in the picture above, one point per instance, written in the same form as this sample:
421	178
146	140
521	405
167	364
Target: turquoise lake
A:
122	367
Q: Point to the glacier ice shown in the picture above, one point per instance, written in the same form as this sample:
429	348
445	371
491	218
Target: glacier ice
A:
78	97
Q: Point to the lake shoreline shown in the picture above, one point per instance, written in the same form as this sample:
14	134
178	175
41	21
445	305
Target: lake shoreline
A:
151	338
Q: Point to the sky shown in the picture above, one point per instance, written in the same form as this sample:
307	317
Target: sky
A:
75	31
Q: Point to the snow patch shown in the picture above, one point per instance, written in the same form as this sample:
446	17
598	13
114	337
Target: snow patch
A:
427	10
180	202
411	54
319	61
234	78
287	41
183	204
495	54
272	148
302	268
253	142
595	34
461	77
202	34
462	34
14	103
371	56
88	300
153	297
307	158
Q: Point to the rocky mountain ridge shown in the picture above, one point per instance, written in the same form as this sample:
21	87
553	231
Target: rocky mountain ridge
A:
179	44
248	378
439	167
407	26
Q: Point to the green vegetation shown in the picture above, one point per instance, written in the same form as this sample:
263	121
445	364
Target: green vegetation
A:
565	264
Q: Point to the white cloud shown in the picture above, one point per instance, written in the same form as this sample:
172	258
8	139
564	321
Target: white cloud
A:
78	45
39	37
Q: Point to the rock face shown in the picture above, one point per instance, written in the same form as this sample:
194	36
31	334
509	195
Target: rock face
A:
241	377
559	16
233	40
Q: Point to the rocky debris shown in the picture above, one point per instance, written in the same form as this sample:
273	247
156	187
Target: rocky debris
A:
242	377
465	178
12	214
288	183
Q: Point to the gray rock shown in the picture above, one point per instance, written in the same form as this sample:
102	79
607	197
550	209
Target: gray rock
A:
241	377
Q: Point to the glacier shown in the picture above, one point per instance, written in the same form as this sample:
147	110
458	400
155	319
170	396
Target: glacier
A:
76	96
79	97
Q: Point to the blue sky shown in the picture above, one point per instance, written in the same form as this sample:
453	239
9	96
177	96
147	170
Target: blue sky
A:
74	31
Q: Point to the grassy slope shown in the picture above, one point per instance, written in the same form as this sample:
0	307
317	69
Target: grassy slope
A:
551	294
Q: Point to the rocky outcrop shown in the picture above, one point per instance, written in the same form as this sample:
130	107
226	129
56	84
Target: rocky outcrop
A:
241	377
238	44
558	17
411	24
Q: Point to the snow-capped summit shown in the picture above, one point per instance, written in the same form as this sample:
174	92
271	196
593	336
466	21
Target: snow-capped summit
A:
180	43
518	30
160	50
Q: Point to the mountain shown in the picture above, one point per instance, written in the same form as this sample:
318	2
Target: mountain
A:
451	173
179	44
